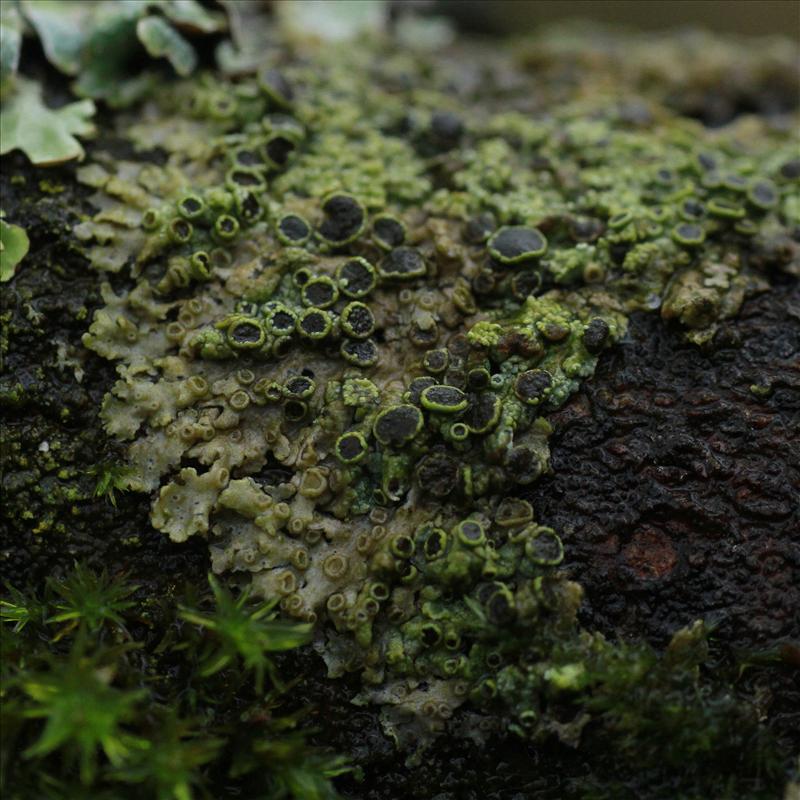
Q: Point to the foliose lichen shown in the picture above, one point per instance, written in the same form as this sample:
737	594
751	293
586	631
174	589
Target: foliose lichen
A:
354	300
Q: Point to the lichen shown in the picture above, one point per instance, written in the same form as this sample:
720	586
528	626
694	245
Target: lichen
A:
14	246
353	424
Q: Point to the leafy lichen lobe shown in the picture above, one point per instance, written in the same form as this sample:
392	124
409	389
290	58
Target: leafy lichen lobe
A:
350	410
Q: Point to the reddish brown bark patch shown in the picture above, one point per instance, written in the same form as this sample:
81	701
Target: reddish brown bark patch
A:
650	555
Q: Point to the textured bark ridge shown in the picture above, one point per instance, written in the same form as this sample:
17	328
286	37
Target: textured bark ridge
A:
676	478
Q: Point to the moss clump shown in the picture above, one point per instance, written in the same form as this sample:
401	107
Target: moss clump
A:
106	690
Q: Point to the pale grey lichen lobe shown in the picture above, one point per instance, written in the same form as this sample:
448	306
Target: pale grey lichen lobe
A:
356	300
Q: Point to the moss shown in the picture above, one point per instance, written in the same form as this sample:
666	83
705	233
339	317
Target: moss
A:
105	707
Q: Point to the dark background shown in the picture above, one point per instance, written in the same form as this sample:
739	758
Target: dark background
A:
750	17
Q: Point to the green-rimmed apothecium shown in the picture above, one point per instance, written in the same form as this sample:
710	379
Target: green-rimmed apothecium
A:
513	512
226	227
692	210
417	386
279	319
281	346
483	412
357	320
434	544
532	386
790	170
423	336
180	231
478	229
300	387
746	227
689	234
276	87
459	432
351	447
248	207
525	284
314	324
200	265
478	379
247	158
388	231
301	276
402	546
295	410
356	277
402	264
736	183
277	150
245	333
397	425
436	361
763	194
470	533
724	208
293	230
620	220
443	399
501	607
191	206
583	230
345	219
596	335
320	291
544	547
244	178
270	390
430	634
152	219
516	244
359	352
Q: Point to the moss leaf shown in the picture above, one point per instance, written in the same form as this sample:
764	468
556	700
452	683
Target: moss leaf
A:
160	39
14	245
45	135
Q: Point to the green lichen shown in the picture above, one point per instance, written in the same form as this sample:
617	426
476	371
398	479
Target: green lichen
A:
353	427
76	39
14	246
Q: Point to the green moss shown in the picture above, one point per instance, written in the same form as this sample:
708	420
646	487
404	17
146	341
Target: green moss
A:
136	712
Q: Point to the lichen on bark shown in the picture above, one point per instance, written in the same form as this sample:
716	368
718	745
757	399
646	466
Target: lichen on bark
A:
245	358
